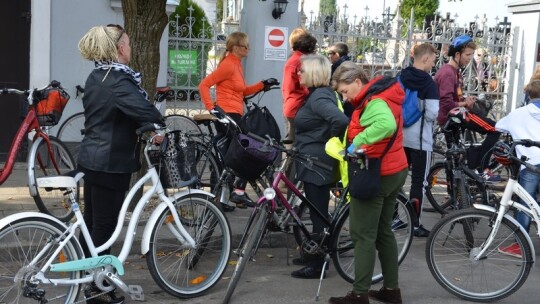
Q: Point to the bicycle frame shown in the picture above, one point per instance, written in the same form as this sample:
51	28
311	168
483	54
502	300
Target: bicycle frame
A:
532	210
29	123
90	262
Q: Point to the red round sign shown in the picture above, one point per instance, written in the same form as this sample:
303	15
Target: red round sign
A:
276	37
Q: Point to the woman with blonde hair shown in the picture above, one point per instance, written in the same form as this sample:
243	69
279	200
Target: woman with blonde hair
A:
228	78
317	120
115	105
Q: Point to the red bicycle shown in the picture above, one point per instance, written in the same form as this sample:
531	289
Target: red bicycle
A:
47	156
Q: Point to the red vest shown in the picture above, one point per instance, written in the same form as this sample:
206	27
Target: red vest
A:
395	160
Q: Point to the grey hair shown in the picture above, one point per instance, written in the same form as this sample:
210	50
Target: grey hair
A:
100	44
347	72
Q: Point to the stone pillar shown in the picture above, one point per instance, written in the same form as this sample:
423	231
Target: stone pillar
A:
255	16
525	17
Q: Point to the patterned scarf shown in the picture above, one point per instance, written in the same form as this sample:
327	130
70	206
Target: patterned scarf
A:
136	76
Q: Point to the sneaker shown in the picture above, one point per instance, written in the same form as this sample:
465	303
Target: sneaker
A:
242	200
512	250
398	224
490	177
421	232
94	295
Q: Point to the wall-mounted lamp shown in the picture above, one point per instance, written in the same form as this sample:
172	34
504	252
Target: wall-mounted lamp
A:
279	8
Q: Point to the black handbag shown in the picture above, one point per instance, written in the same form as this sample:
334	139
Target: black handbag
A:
259	120
365	174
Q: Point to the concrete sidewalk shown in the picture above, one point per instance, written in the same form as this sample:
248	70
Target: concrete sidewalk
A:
267	279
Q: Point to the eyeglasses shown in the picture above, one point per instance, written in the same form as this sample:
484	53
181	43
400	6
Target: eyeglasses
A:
244	46
120	29
331	53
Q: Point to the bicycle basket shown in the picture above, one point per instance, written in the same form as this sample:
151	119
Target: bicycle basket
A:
177	160
248	157
50	103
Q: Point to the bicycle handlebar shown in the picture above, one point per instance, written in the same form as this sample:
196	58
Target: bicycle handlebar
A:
522	160
148	127
247	98
291	152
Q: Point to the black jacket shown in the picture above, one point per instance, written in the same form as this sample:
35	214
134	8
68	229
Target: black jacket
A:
318	120
113	109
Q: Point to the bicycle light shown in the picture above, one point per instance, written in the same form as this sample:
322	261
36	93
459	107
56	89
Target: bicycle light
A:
269	193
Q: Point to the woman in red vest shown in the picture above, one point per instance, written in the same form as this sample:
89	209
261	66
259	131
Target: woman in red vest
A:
375	120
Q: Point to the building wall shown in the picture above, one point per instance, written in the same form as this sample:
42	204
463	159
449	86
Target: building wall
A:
57	27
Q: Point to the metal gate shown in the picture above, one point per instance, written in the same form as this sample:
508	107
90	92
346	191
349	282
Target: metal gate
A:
381	47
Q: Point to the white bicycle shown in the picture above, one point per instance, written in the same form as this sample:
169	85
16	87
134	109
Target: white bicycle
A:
186	240
467	251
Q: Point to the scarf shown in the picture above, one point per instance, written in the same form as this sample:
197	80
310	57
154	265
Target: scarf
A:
136	76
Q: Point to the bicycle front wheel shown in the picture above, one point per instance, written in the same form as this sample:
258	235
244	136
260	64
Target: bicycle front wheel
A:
189	272
457	238
253	234
25	240
53	162
343	247
71	133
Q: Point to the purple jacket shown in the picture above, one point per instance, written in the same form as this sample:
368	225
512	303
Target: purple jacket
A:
450	90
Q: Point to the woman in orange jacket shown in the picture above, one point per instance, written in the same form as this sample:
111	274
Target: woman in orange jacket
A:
228	79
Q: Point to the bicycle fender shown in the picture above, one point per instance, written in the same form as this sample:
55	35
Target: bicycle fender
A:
511	219
17	216
152	220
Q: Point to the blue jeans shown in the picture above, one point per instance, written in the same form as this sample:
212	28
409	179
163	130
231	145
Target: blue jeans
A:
529	181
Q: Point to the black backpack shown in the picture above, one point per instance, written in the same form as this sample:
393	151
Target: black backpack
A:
259	120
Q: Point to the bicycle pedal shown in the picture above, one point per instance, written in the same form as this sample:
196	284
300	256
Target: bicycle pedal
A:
136	292
117	282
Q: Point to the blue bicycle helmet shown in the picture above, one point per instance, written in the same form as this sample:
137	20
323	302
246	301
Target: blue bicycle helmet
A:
458	44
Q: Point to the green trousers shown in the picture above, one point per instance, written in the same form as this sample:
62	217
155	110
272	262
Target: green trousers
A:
370	223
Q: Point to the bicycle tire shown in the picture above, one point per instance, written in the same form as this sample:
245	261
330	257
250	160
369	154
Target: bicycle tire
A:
22	241
343	250
437	191
253	234
50	201
449	257
178	122
71	133
208	167
189	272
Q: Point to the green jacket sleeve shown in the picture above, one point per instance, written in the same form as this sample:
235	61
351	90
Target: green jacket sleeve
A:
380	123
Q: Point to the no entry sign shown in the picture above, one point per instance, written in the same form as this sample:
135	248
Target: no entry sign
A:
276	37
275	43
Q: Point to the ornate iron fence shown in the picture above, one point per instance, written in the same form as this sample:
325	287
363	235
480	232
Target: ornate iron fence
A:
384	48
380	47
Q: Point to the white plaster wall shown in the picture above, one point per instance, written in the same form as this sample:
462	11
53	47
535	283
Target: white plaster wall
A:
57	27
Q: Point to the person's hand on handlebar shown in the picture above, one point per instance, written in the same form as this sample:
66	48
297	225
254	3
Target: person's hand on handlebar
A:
269	83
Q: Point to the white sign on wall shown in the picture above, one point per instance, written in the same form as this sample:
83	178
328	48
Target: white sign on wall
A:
275	43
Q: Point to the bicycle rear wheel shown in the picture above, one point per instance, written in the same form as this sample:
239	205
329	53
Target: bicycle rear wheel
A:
22	241
437	191
343	248
253	234
189	272
208	167
178	122
71	133
458	237
55	162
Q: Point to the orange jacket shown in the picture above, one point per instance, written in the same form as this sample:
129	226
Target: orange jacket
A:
293	93
230	86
